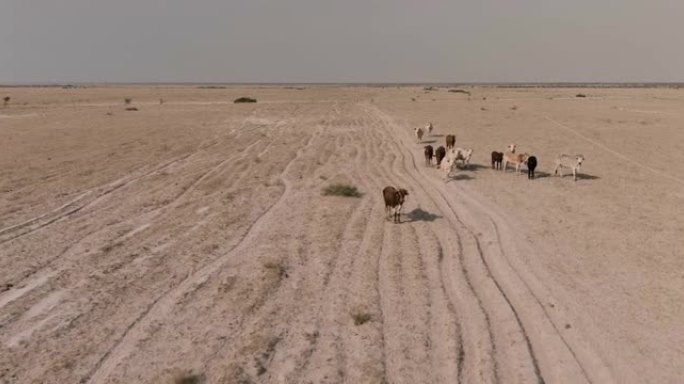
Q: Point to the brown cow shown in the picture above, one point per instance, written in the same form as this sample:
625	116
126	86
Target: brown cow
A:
497	158
440	153
394	200
450	141
429	152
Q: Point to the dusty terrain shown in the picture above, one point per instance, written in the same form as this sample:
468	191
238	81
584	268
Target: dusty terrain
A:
191	239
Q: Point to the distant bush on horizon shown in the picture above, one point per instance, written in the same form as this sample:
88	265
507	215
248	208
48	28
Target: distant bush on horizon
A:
459	91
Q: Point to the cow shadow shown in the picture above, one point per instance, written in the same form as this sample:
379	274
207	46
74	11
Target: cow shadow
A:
460	176
437	135
540	175
420	215
584	176
473	167
428	141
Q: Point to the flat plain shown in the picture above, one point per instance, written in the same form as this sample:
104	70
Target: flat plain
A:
189	240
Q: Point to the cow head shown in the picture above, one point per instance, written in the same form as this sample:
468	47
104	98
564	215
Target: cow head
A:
402	193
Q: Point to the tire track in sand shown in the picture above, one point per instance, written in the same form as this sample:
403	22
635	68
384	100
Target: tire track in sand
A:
558	361
164	304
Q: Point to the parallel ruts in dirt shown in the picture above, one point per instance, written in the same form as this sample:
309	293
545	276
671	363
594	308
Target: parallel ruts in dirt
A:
551	355
445	296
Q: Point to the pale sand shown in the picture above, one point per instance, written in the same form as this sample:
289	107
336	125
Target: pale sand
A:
193	237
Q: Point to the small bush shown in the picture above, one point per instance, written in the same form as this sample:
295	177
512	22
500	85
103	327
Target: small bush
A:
127	100
277	268
514	108
341	190
131	109
5	100
190	378
361	317
580	95
459	91
244	100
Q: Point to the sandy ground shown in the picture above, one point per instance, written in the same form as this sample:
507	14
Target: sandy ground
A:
192	238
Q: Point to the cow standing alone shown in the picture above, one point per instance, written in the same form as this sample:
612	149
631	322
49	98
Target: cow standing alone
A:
394	200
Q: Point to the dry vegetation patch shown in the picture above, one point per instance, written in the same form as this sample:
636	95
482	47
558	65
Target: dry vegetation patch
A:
339	189
244	100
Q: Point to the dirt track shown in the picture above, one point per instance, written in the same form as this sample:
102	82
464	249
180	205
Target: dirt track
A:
193	237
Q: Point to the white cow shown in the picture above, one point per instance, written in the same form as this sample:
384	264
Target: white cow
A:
448	165
462	154
568	161
429	127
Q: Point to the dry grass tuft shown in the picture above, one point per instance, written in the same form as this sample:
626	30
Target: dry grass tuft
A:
361	317
341	190
277	268
190	378
244	100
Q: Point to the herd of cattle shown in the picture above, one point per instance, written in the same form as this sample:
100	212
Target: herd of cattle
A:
448	158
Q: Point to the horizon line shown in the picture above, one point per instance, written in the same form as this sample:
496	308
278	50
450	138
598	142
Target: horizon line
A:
559	84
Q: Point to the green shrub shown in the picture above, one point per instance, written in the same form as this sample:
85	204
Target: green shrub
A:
341	190
244	100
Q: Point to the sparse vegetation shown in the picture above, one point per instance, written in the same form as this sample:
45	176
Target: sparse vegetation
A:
244	100
361	317
341	190
161	101
131	109
5	101
459	91
277	268
127	101
413	99
190	378
483	109
109	247
580	95
514	108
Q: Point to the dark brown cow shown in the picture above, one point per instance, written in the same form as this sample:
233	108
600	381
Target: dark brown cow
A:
450	141
394	200
428	155
440	153
497	158
531	165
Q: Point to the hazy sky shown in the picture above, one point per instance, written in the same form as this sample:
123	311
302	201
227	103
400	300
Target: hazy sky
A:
341	41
